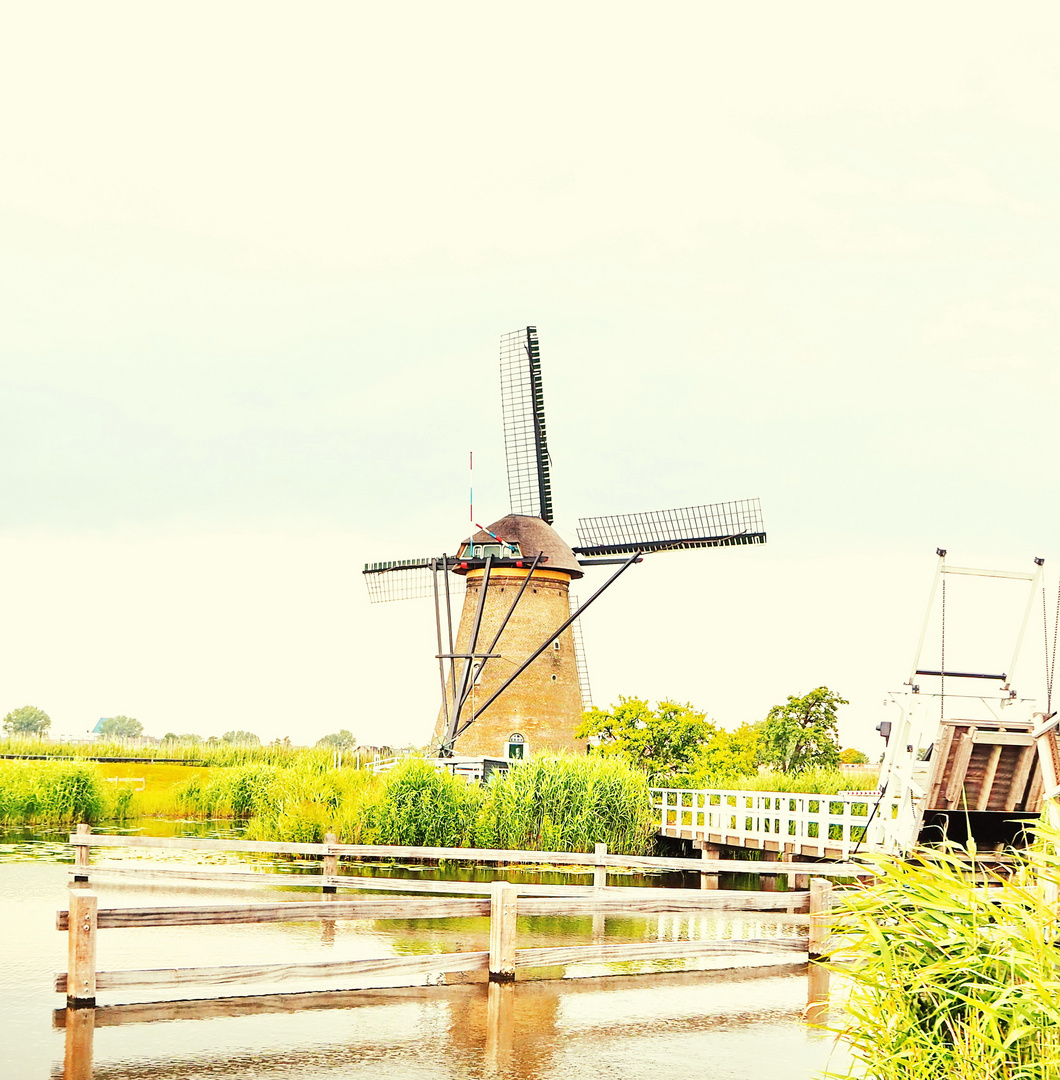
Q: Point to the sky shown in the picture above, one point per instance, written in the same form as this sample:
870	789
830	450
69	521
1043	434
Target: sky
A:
256	260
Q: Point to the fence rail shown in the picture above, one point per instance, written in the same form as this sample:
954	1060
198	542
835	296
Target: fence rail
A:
790	823
599	860
82	922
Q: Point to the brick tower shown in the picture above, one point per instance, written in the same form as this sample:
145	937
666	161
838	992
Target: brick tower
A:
541	709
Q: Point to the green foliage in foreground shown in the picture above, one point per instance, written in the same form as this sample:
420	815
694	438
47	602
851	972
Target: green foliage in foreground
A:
44	792
948	982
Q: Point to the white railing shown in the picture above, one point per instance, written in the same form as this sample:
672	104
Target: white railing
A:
792	820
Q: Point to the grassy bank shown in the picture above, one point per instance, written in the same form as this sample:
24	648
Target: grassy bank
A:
216	753
559	804
948	982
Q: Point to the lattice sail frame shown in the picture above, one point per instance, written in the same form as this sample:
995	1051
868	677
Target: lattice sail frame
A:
523	414
406	579
712	525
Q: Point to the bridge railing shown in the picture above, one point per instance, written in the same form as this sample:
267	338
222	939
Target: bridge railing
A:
760	818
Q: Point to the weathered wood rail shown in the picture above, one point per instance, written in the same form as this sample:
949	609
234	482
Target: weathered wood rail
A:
599	861
83	921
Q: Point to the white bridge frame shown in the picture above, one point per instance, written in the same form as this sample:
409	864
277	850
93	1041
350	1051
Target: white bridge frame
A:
785	822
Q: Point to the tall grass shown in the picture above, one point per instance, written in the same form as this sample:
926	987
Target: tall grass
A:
546	804
207	753
568	803
822	781
949	980
46	792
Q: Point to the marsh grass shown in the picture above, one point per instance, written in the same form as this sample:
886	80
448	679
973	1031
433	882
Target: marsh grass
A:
51	792
822	781
217	753
568	803
949	980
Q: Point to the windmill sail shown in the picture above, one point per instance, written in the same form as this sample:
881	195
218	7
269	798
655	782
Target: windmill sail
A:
523	412
579	654
715	525
406	579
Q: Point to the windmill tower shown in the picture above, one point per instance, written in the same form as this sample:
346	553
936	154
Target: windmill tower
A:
509	675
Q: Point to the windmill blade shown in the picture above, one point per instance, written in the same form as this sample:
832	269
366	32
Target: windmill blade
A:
714	525
579	654
406	579
523	412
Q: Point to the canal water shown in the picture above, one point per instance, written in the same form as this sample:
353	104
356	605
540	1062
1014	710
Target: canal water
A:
675	1018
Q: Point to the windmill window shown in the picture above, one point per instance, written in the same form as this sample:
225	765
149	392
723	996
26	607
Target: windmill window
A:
516	746
555	644
555	677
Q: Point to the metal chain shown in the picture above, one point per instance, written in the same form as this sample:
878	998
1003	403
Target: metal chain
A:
1050	664
942	659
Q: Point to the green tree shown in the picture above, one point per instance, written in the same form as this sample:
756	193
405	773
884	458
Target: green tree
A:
29	720
665	742
243	738
850	756
172	736
802	734
340	740
121	727
729	754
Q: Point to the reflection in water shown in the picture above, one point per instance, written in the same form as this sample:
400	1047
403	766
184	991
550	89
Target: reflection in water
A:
529	1031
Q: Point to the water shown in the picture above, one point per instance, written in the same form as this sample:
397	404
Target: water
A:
693	1023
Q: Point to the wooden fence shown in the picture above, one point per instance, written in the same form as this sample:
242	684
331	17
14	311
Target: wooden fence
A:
329	880
83	921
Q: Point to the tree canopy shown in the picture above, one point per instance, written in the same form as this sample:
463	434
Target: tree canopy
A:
29	720
850	756
121	727
665	742
340	740
801	734
244	738
729	754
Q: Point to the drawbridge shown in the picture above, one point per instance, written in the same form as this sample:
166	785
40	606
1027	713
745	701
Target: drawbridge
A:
968	759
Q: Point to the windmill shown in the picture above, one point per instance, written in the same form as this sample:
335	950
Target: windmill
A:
509	674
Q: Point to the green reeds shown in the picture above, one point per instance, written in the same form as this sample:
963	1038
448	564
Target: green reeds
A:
420	806
950	979
568	803
46	792
824	781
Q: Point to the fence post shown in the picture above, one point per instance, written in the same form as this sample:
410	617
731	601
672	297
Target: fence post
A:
820	908
503	904
331	864
81	949
81	852
599	870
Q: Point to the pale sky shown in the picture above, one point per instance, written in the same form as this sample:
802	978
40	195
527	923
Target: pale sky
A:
256	259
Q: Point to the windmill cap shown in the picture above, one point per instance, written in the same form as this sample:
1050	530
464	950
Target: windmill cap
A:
532	534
